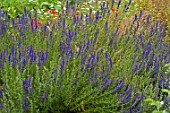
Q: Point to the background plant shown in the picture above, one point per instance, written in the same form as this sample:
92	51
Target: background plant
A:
160	104
82	63
159	9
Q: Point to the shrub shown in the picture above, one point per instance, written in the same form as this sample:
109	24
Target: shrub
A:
81	63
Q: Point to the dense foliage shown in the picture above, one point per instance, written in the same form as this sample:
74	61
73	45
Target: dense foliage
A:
93	61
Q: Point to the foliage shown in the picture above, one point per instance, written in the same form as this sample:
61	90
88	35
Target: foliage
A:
83	61
159	105
168	66
160	10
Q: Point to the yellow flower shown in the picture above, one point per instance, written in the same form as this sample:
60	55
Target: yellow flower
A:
141	4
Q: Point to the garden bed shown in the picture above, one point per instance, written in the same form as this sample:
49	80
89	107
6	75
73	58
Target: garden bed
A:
110	58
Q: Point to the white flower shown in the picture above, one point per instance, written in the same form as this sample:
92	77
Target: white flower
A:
64	8
91	1
44	3
162	102
99	2
59	6
94	12
87	9
85	3
59	2
91	7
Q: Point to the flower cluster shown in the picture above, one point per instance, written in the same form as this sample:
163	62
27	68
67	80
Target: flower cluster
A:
80	64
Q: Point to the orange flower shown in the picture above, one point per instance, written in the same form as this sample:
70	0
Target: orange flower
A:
47	11
54	12
39	23
113	9
141	4
77	13
34	23
53	21
92	15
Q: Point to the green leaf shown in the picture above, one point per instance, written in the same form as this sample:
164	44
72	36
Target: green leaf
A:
33	3
51	5
167	65
56	8
155	111
152	102
164	111
167	91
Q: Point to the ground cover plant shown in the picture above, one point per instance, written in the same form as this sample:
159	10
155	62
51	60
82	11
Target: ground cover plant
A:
84	62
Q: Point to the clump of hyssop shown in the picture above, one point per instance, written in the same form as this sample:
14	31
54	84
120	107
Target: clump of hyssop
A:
43	68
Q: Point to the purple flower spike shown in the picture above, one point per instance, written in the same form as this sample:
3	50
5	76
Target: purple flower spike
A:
156	24
25	10
25	106
64	23
137	102
44	96
138	110
30	79
148	20
140	14
104	3
126	97
90	11
25	85
13	23
149	45
46	53
130	1
106	25
13	49
88	43
97	15
125	6
74	83
19	43
119	4
113	3
136	67
106	55
6	15
75	19
9	59
118	87
152	31
62	65
111	41
111	62
106	83
14	61
1	95
1	105
67	4
136	17
127	86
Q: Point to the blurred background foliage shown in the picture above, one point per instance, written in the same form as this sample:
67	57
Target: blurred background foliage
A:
159	9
